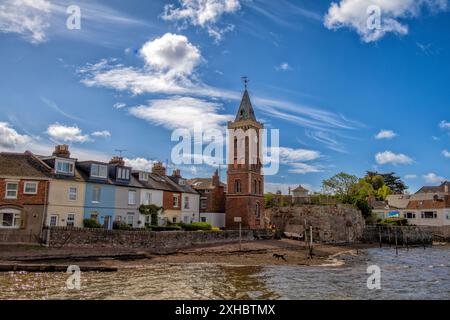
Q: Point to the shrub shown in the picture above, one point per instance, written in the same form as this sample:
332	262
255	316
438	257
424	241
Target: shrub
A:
394	221
158	228
121	226
195	226
215	229
91	223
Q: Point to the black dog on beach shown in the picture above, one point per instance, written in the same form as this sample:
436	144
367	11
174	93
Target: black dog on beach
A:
280	256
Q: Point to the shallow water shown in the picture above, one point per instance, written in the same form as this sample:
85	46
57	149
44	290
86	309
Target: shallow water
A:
413	274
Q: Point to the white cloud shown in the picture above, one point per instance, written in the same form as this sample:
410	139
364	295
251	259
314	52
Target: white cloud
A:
28	18
433	178
171	54
138	163
119	105
446	153
410	176
385	134
388	157
64	133
283	67
101	134
182	112
10	138
289	155
303	168
202	13
444	124
354	14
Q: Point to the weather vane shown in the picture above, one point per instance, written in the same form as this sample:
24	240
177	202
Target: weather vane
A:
245	80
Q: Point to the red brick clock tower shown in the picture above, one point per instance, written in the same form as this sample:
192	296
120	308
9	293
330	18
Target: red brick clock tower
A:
245	190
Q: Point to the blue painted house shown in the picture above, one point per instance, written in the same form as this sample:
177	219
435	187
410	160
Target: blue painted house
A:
100	192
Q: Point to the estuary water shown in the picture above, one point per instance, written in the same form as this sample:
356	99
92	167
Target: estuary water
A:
413	274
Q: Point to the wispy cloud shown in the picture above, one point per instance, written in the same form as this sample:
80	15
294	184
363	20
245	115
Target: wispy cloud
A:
411	176
284	66
327	140
446	153
204	14
56	108
444	124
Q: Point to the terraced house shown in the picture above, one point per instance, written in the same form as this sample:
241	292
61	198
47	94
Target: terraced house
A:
24	187
67	190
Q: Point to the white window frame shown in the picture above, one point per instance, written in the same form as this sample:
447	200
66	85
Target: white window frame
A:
130	216
50	220
131	200
73	220
16	191
71	167
99	166
35	183
176	200
186	202
99	194
69	193
148	198
123	173
17	216
143	176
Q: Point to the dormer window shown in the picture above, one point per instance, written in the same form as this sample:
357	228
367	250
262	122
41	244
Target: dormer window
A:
182	182
123	173
99	171
64	167
143	176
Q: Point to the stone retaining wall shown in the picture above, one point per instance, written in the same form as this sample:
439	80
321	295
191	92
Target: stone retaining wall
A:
335	223
83	237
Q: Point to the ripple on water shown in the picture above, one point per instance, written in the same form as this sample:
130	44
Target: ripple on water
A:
413	274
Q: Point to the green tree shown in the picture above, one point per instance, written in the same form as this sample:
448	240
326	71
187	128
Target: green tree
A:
340	185
383	192
394	182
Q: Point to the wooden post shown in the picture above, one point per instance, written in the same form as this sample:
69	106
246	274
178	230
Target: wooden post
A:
311	242
389	235
396	248
406	239
304	236
240	236
379	232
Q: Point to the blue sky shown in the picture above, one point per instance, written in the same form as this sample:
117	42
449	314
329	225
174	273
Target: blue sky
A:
345	97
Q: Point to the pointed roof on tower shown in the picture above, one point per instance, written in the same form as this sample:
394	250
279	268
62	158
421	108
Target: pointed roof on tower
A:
245	111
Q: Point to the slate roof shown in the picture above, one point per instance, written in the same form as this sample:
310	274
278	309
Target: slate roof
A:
437	189
440	203
202	183
300	189
245	111
23	165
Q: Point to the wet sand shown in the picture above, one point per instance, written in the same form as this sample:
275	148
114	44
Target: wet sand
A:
255	253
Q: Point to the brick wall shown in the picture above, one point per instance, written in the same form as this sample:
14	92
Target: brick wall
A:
24	199
77	237
168	200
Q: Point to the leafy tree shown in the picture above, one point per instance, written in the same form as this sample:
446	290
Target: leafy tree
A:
383	192
364	206
394	182
376	181
340	185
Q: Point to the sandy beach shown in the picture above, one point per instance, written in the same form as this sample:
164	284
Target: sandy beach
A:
255	253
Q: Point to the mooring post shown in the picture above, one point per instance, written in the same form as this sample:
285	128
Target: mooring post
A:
311	242
396	247
379	232
304	235
389	236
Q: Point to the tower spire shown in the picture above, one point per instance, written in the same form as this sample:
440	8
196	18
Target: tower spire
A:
245	111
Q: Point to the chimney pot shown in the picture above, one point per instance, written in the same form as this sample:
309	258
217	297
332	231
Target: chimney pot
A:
158	168
117	161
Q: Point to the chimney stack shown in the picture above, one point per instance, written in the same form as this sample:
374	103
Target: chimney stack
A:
118	161
158	168
62	151
446	186
216	179
176	173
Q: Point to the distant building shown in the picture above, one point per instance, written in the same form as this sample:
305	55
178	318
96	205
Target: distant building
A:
430	206
300	195
212	199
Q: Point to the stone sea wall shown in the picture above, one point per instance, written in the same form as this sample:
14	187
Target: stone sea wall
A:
83	237
332	223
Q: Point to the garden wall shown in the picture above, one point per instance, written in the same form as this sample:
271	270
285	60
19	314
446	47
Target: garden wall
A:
82	237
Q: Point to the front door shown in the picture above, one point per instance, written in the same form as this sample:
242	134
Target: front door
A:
106	222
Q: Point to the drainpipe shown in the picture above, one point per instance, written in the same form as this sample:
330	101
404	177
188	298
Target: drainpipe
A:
44	220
